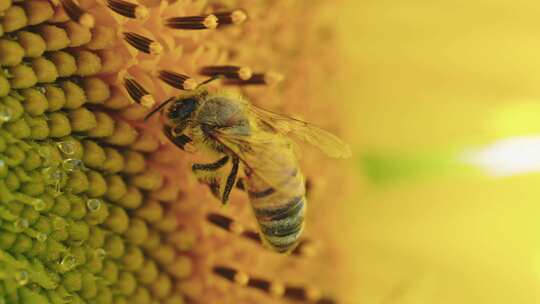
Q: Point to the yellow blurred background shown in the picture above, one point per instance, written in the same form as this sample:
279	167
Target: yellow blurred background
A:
444	103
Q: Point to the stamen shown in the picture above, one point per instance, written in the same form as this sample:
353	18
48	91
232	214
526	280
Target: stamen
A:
143	44
236	228
225	272
228	18
261	284
304	249
179	81
77	14
268	78
127	9
241	278
138	93
229	71
298	293
325	301
275	289
192	22
230	225
220	220
313	294
231	274
252	235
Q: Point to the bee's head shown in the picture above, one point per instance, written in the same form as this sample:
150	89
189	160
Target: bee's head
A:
182	109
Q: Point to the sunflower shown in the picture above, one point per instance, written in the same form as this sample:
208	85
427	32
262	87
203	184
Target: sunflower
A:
96	205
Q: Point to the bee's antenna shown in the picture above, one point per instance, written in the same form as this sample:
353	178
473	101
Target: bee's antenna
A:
209	80
228	71
154	111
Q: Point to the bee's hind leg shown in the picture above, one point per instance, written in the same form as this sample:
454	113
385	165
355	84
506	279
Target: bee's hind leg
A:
231	180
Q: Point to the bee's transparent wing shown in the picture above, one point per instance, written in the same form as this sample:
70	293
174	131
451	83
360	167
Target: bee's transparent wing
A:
268	156
328	143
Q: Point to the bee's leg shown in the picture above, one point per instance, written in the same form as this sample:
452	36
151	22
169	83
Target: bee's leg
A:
207	174
212	166
180	141
297	293
231	179
241	184
304	249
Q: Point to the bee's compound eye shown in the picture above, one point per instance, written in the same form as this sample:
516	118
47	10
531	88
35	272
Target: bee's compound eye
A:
183	109
176	131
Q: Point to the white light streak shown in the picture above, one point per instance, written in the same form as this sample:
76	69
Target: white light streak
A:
507	157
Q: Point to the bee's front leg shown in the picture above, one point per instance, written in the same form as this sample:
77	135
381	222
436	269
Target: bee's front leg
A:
182	141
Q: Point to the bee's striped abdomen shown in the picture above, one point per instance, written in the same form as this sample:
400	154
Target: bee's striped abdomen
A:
280	214
282	226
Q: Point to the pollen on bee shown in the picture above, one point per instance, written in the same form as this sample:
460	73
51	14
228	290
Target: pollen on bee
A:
138	93
228	71
143	44
127	9
192	22
77	14
176	80
233	17
268	78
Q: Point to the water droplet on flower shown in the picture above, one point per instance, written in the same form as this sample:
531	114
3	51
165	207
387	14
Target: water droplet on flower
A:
7	73
93	204
21	277
41	237
68	262
41	89
21	224
52	176
16	95
38	204
58	223
44	151
67	147
100	253
5	114
71	164
68	298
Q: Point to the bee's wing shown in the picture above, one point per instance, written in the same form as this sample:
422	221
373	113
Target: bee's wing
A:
328	143
268	156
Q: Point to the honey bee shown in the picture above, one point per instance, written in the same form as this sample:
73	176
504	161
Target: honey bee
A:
257	142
